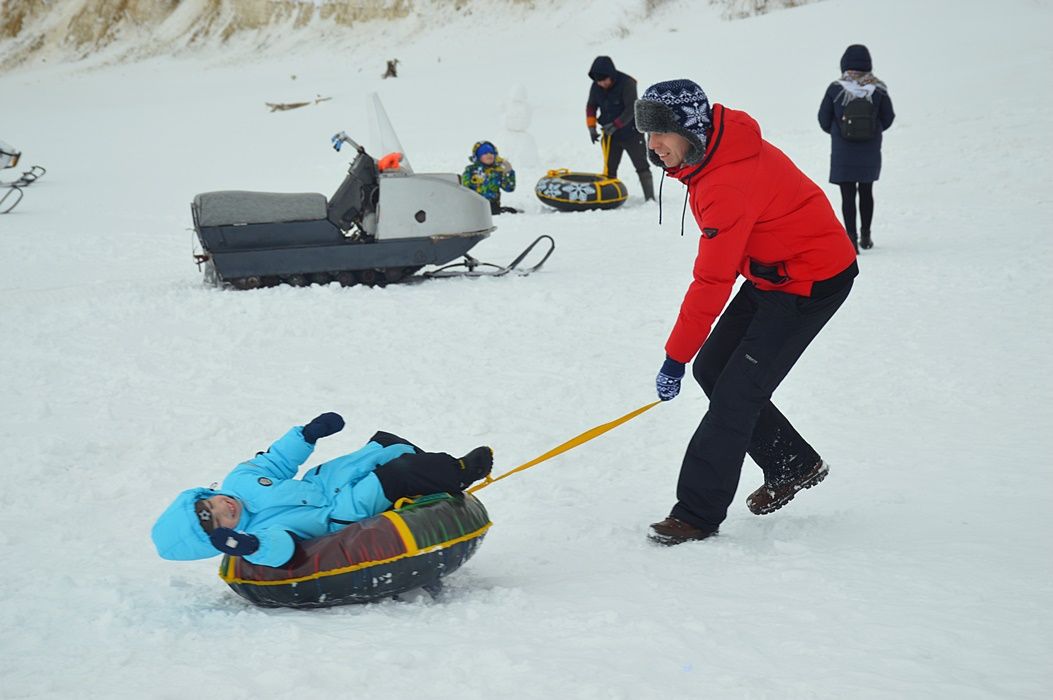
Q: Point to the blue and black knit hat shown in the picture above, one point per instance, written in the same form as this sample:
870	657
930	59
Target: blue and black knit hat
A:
680	107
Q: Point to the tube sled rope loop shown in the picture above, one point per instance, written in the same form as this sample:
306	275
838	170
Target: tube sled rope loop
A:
415	545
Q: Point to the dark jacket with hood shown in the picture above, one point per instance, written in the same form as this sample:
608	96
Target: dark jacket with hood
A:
760	217
855	161
614	105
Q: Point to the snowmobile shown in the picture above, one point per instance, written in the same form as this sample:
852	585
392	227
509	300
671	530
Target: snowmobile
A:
9	158
383	224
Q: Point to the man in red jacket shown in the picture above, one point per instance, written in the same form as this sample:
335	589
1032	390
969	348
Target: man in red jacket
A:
761	218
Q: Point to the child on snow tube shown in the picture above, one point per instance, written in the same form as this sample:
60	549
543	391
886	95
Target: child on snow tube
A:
488	174
261	510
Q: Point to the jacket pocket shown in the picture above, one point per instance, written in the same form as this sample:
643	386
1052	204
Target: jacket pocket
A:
770	272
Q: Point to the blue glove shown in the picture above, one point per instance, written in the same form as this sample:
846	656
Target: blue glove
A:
668	380
234	543
593	135
609	129
323	426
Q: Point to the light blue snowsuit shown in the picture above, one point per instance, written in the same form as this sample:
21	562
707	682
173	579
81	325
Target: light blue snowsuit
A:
276	506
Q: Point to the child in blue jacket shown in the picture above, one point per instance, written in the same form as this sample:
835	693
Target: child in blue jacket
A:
261	510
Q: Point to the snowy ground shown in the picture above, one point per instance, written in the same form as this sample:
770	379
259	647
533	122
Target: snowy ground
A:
921	568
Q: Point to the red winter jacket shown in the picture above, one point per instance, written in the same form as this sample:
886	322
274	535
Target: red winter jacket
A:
760	217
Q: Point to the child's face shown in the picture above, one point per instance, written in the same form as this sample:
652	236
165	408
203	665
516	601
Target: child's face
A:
226	511
487	158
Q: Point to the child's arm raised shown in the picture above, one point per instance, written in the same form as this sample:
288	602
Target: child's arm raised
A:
283	458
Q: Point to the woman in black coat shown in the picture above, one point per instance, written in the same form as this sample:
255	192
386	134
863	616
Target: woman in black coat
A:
855	110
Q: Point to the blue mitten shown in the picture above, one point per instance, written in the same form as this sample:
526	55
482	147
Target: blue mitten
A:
323	426
234	543
668	380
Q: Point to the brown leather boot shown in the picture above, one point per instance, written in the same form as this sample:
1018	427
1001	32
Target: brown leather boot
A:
771	497
672	531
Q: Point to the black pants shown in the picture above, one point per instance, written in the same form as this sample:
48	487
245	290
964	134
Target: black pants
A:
756	342
633	144
848	206
416	473
496	208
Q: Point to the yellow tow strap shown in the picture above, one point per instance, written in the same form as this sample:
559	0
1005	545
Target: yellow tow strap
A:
569	444
605	146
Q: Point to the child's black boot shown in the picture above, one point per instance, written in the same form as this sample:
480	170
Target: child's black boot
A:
475	465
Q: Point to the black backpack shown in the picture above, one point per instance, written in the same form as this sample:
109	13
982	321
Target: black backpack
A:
859	120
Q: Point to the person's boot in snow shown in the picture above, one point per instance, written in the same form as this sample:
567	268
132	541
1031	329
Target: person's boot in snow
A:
855	241
647	184
865	242
772	496
672	531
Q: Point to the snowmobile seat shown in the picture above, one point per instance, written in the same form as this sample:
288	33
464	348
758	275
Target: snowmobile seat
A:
236	220
236	208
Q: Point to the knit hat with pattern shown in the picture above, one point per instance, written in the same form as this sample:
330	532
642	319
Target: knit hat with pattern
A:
680	107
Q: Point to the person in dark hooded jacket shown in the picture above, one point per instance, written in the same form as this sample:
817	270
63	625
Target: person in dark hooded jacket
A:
760	217
610	110
855	160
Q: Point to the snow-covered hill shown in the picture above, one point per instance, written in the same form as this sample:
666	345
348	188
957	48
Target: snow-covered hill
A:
39	31
921	568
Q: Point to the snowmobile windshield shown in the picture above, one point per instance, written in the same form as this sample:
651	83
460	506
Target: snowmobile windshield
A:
384	139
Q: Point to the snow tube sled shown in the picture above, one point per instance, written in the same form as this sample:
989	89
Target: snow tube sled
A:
569	191
390	553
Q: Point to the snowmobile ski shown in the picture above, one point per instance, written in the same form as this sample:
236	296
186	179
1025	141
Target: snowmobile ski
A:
28	177
10	199
471	266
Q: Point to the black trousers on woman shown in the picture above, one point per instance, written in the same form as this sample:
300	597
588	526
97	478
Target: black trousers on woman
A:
866	207
758	339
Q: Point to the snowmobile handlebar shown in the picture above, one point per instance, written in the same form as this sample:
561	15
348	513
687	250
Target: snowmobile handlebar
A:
340	138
